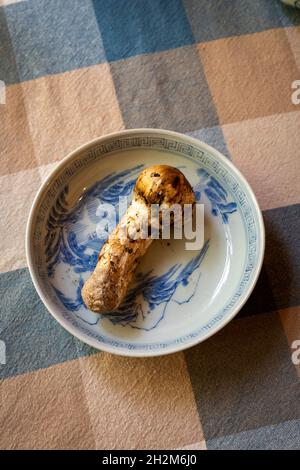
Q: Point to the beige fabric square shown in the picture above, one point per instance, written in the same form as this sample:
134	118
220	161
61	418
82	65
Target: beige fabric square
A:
69	109
293	34
45	170
264	150
250	76
139	403
16	150
17	192
45	409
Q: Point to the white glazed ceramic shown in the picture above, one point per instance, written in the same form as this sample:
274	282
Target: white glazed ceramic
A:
179	298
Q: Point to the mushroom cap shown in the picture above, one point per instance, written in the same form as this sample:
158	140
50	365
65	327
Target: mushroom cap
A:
163	184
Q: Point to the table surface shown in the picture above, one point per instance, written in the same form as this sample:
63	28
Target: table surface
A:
221	71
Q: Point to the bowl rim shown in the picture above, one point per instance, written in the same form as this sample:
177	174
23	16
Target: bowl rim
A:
132	352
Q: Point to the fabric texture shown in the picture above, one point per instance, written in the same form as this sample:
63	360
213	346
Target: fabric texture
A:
221	71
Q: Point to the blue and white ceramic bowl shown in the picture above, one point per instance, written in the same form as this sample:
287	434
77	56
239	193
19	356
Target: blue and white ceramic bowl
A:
179	298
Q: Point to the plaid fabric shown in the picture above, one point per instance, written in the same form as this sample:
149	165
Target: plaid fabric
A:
221	71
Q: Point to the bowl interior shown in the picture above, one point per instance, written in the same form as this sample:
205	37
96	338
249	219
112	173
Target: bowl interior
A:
178	296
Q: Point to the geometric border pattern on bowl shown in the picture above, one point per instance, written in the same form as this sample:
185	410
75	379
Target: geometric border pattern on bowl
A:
169	142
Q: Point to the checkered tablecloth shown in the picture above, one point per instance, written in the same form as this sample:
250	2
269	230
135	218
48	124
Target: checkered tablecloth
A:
221	71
